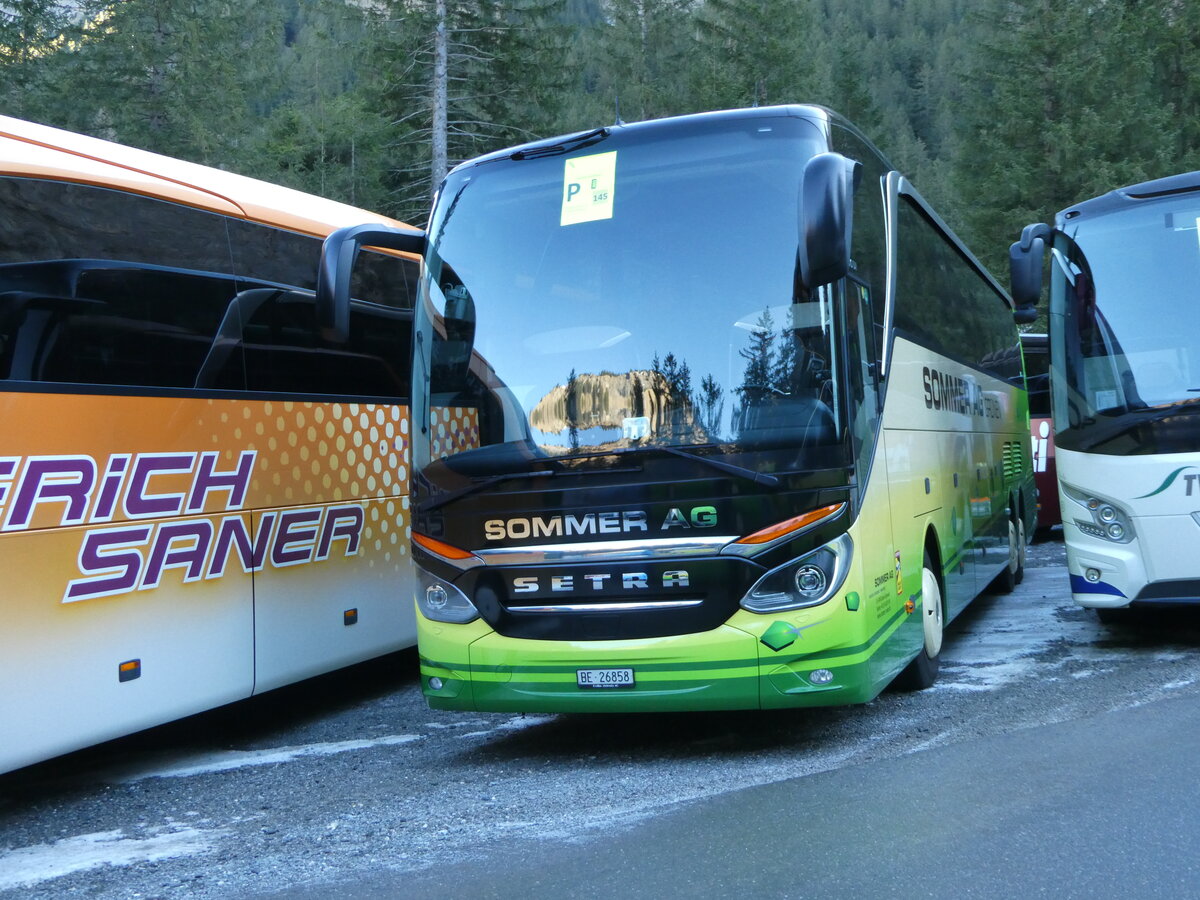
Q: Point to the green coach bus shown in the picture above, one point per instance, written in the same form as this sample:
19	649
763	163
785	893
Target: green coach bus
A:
710	412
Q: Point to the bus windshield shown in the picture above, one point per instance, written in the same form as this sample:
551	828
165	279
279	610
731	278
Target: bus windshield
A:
548	332
1126	285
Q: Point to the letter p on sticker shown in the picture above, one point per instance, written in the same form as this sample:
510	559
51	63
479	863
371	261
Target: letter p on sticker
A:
579	205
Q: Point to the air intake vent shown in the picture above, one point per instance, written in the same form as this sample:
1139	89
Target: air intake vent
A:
1014	462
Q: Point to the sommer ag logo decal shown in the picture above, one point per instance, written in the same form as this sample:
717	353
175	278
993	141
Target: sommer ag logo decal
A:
950	393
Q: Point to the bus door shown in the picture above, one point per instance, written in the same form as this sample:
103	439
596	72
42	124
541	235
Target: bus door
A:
999	468
875	546
990	529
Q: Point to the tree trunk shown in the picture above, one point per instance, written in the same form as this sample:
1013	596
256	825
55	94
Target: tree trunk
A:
440	64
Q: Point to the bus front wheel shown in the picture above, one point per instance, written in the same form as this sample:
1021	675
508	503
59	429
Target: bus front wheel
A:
922	672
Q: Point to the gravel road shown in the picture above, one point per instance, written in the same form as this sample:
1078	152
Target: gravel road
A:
351	773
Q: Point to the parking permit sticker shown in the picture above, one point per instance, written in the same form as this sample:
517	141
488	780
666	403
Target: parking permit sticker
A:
589	183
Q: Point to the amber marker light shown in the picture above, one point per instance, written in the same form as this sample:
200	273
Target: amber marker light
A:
796	523
441	548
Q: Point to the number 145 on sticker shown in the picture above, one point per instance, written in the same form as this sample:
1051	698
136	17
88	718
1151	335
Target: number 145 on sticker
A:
589	184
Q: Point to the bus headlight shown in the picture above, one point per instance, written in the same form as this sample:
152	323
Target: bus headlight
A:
811	580
808	581
1106	520
441	601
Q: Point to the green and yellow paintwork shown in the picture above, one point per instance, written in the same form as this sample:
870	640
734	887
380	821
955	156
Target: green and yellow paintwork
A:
864	635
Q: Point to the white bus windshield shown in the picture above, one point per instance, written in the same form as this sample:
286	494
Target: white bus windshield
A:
1129	294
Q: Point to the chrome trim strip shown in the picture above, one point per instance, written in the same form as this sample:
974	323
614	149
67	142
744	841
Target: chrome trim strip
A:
605	607
665	548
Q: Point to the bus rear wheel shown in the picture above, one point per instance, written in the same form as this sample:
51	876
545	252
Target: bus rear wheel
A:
1019	523
922	672
1013	573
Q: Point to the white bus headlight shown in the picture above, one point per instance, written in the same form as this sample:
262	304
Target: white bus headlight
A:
811	580
1105	519
807	581
441	601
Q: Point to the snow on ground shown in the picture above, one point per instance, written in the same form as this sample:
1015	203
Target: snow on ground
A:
224	761
28	866
1002	639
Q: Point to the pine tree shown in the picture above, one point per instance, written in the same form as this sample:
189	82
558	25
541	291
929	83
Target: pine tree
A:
572	404
464	77
760	358
31	34
756	54
711	402
174	76
1063	106
323	132
635	60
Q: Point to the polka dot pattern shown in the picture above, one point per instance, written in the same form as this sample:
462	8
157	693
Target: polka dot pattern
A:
316	452
319	453
455	429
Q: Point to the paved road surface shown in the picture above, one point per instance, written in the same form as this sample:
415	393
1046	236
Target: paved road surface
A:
350	783
1104	806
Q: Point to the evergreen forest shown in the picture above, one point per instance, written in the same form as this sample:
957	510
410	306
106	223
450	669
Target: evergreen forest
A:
1000	111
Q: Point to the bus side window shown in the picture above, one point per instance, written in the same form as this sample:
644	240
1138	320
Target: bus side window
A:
131	292
946	305
280	348
103	287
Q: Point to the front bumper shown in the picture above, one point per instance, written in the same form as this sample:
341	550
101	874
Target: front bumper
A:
726	668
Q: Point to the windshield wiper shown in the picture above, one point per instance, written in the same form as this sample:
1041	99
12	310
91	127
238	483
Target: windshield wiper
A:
741	471
759	478
566	145
729	468
1133	418
473	488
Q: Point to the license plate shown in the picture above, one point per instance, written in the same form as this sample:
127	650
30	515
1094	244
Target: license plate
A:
604	678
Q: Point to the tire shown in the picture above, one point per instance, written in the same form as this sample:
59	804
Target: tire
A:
1021	545
1013	573
1116	615
922	672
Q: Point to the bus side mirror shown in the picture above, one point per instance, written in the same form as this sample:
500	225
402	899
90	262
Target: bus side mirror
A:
826	217
338	255
1025	271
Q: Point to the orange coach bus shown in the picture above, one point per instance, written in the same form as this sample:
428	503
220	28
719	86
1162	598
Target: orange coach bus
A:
203	494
